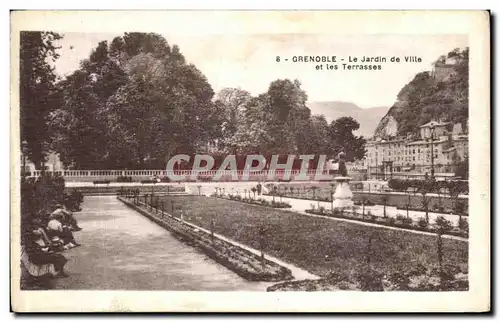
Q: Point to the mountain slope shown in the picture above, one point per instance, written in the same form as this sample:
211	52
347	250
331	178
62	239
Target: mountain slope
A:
368	118
438	95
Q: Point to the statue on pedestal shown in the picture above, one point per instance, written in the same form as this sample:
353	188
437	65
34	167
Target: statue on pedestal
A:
343	193
342	166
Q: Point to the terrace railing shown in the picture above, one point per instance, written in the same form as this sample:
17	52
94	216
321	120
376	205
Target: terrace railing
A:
225	175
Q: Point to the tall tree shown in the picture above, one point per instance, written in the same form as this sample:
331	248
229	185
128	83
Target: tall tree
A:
343	139
173	99
314	138
233	102
287	113
78	128
38	96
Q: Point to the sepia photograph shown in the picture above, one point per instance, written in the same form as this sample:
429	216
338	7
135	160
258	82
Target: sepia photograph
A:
205	159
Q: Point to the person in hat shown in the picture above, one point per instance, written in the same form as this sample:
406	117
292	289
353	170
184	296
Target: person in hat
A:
68	217
40	261
57	229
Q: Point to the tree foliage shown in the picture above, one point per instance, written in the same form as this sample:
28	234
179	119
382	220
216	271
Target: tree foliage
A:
132	104
38	95
136	102
278	122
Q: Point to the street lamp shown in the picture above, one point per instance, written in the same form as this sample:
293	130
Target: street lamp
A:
331	195
432	150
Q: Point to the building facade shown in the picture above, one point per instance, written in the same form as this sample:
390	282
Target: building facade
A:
53	163
439	146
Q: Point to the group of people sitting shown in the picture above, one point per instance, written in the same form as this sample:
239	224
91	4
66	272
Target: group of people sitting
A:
46	236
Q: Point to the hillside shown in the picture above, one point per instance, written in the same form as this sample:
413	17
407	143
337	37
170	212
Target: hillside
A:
367	118
438	95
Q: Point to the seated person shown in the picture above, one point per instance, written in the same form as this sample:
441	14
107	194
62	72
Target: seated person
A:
40	229
68	217
40	261
56	229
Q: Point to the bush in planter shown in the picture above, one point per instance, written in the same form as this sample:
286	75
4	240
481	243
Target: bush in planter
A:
438	208
400	217
391	220
371	217
443	225
422	223
407	221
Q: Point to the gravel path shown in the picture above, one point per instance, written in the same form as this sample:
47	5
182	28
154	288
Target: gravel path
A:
123	250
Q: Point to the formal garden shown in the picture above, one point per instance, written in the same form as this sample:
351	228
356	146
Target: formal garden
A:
318	245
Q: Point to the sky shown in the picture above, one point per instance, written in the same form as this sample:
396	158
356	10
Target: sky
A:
248	60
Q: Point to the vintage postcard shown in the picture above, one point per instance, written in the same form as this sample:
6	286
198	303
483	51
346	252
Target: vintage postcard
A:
250	161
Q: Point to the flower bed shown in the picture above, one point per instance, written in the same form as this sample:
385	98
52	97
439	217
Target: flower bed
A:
242	262
260	201
451	278
399	222
435	210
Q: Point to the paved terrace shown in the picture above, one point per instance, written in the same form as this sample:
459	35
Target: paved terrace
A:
123	250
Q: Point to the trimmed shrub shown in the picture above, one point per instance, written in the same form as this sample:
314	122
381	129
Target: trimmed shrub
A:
400	217
443	225
407	221
422	222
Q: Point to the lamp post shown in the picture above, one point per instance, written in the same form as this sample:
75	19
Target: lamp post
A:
432	150
331	195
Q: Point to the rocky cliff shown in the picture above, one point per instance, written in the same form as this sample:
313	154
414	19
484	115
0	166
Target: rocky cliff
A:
440	95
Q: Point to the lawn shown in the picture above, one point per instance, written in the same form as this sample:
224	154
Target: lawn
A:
319	245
